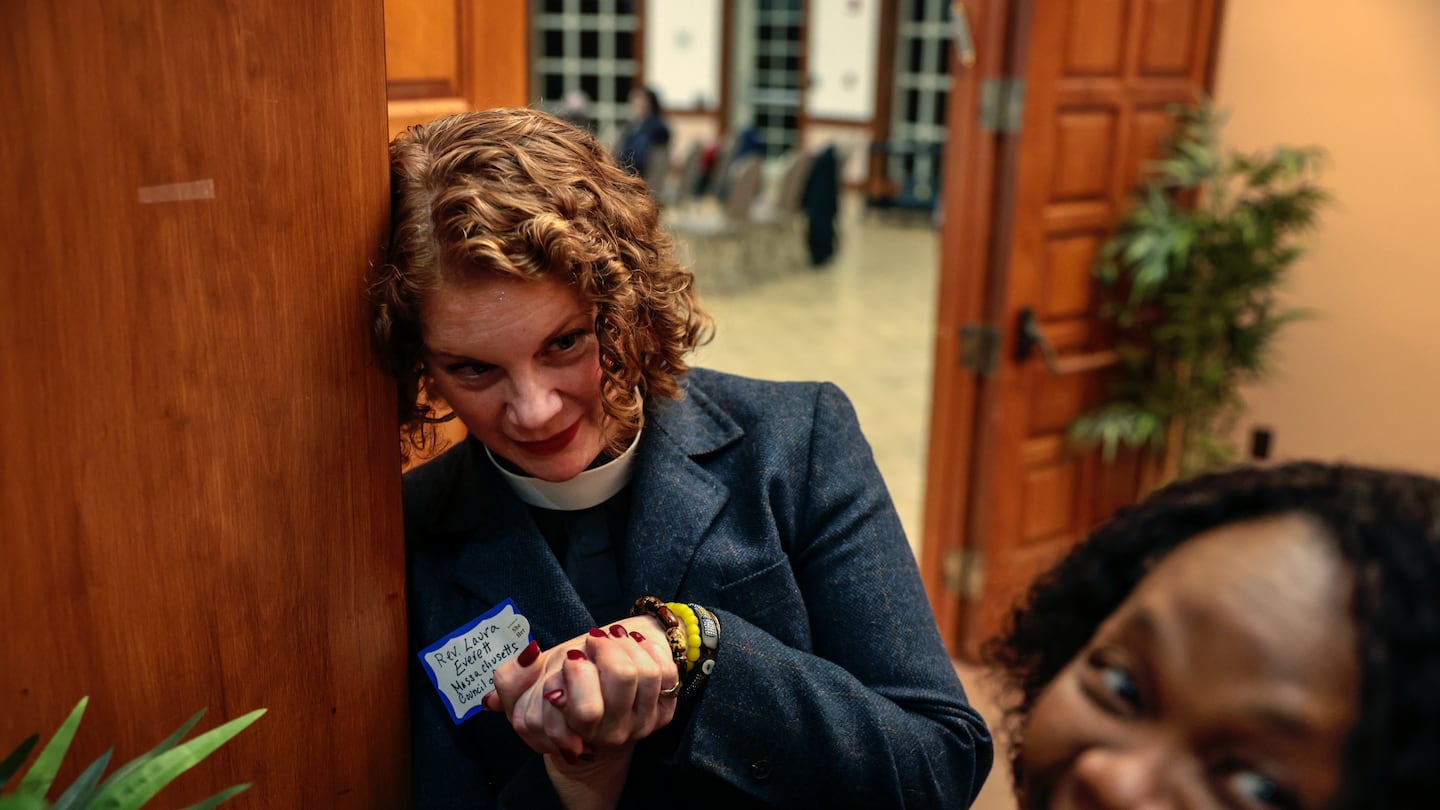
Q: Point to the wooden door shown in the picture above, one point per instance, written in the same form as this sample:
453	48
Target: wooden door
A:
1006	495
199	478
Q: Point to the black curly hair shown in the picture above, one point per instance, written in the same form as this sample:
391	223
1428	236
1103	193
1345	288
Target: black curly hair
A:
1386	524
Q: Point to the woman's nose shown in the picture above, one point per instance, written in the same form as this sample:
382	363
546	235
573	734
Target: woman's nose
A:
533	403
1127	779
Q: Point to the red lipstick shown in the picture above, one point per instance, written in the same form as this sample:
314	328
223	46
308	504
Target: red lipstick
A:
552	445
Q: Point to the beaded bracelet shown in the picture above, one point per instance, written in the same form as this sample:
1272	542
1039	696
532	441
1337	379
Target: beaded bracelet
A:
675	630
709	641
692	632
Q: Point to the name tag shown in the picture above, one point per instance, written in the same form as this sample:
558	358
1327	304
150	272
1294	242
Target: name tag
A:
461	665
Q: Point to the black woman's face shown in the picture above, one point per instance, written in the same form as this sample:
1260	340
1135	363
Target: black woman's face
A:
1227	679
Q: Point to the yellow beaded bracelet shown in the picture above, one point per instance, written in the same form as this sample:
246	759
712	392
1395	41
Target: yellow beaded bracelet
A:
687	616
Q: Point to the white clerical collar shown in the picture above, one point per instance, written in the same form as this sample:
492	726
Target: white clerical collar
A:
590	488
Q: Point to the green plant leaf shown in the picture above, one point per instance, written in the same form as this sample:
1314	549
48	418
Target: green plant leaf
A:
165	745
42	773
83	787
141	785
1192	274
16	802
219	798
17	757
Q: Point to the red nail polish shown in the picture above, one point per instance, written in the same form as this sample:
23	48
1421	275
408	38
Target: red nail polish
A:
597	632
529	654
575	655
638	638
587	757
554	696
617	631
569	757
490	702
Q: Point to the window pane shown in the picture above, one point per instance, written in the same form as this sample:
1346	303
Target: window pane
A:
591	85
620	86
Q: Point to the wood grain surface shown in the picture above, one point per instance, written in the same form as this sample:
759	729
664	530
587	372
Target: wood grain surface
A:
199	480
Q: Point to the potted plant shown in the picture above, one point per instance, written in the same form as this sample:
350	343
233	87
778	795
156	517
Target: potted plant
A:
1192	275
131	785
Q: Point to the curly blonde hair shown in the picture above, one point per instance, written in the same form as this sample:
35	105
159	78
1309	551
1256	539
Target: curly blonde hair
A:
520	193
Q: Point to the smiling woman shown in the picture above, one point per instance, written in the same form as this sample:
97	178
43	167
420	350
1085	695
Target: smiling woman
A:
695	554
1256	639
519	365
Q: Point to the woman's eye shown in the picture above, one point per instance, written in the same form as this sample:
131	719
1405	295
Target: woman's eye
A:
1255	790
468	370
565	343
1113	686
1120	684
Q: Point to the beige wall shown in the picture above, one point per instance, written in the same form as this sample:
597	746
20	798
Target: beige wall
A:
1361	380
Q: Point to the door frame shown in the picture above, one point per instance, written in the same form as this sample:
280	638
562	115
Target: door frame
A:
976	163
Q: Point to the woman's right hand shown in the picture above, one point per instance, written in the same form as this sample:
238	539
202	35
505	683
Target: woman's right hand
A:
594	692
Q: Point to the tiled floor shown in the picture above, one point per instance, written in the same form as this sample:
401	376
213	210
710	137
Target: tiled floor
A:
867	323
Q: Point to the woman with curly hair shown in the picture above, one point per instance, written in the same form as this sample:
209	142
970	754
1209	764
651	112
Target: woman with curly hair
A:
724	609
1263	638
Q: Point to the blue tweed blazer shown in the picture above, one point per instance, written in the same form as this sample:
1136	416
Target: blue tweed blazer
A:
761	501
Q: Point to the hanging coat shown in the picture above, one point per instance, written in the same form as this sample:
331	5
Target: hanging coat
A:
821	201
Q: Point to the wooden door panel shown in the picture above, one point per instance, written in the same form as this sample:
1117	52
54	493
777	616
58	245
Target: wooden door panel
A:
422	49
1069	285
1053	401
1084	149
1048	496
449	56
1148	127
1098	78
1095	45
1168	31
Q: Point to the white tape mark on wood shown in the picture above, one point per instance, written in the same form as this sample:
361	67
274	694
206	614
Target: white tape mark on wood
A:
178	192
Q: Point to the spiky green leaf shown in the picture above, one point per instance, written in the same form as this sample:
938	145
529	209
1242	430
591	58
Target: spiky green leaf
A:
38	779
141	785
165	745
81	790
16	758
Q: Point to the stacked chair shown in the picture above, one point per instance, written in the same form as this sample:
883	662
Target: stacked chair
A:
719	236
751	231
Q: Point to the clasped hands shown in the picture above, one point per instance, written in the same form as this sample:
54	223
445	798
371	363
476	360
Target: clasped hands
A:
592	696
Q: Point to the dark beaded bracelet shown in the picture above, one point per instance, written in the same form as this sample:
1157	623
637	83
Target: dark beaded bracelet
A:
674	628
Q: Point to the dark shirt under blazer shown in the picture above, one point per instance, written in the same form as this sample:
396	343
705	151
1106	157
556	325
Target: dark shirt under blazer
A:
762	502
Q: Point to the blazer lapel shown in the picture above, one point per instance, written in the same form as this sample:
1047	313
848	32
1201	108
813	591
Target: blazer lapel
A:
675	500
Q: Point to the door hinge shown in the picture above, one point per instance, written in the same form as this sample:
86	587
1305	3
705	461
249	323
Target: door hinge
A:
1002	104
964	572
980	348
